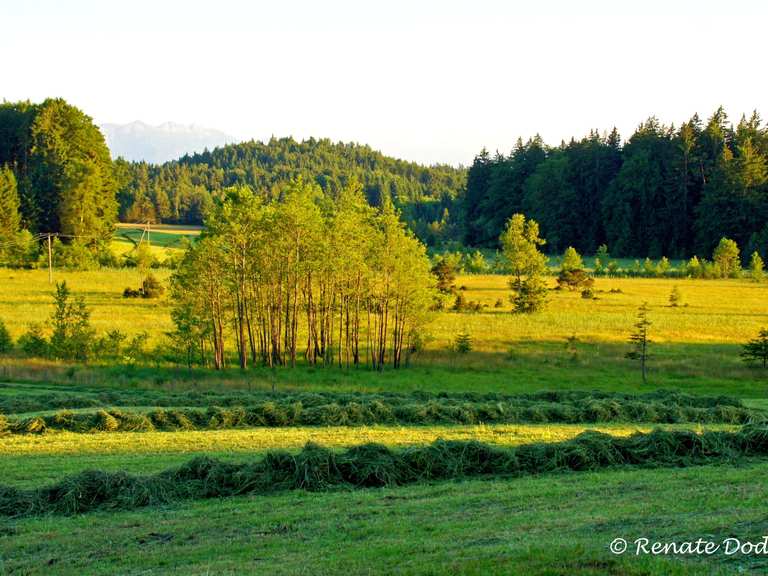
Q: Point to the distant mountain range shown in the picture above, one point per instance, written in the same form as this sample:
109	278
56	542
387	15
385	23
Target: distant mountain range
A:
157	144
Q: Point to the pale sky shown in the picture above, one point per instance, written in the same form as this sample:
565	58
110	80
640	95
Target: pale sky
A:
431	81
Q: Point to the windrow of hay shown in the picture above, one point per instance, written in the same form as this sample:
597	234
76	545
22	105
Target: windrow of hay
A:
28	399
379	411
372	465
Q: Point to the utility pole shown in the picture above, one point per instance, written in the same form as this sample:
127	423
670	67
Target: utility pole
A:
50	260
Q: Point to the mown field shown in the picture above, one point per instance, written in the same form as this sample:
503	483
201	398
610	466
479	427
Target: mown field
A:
536	495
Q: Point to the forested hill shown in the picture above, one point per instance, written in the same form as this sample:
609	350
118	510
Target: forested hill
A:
666	192
180	191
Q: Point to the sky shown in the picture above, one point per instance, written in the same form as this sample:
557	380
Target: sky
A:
430	81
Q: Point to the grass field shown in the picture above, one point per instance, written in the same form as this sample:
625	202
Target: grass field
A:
551	524
163	239
696	345
554	525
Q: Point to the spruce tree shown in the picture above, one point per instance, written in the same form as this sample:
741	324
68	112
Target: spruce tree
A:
639	340
463	343
756	350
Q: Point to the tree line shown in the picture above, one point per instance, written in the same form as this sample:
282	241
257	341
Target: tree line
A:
181	191
332	280
667	192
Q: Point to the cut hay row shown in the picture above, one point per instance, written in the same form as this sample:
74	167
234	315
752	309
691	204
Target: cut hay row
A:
280	414
372	465
28	399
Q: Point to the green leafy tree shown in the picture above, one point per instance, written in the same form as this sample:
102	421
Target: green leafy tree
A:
756	350
639	340
521	243
726	258
72	336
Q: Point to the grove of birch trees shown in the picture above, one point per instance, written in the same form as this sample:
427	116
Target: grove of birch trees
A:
301	277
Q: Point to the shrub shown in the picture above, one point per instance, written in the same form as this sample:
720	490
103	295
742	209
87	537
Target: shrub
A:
131	293
6	342
461	304
34	343
151	287
573	279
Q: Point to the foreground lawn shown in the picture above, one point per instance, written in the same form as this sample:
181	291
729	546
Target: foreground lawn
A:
31	460
552	524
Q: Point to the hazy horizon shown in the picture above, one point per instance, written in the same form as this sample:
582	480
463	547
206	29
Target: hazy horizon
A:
433	82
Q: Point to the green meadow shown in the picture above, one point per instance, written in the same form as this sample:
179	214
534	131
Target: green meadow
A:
558	522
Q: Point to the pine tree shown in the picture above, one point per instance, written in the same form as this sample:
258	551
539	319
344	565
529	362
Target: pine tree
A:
639	340
756	350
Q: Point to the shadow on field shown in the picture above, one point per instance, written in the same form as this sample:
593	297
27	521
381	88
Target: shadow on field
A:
526	366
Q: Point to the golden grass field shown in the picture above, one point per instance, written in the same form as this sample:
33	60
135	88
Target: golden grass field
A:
713	311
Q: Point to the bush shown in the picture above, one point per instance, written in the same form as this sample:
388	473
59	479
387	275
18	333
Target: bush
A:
461	304
151	287
6	342
34	343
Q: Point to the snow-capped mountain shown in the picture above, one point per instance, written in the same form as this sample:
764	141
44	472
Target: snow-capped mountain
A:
157	144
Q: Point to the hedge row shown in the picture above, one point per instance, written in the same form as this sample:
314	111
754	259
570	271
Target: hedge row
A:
373	465
276	414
